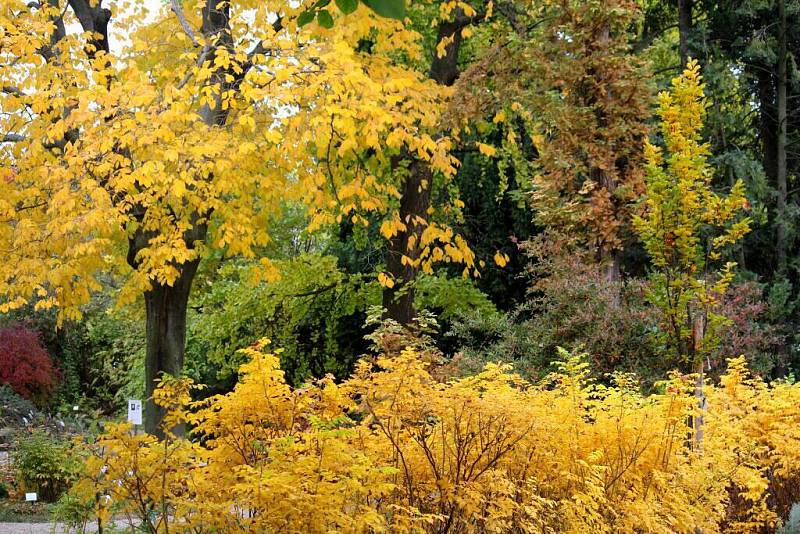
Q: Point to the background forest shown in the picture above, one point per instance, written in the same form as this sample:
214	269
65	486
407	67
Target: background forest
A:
601	191
558	267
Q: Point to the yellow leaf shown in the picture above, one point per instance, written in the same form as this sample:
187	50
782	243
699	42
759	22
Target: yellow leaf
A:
486	150
501	259
385	280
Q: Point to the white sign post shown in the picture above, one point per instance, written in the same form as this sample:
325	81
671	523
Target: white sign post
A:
135	411
31	497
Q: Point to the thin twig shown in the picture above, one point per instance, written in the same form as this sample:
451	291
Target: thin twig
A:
187	28
13	138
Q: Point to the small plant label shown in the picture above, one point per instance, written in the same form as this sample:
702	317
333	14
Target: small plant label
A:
31	497
135	412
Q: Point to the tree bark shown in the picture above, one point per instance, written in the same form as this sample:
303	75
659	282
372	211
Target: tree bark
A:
610	259
780	89
416	198
684	28
613	267
166	308
416	195
768	126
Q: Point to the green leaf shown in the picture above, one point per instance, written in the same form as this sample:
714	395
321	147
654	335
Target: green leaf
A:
393	9
347	6
304	18
322	3
324	19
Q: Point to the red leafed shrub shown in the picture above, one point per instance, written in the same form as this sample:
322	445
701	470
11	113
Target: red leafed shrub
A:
25	364
750	331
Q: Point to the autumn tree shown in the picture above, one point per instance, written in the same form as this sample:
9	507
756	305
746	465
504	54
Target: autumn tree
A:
687	226
411	242
686	230
405	191
584	98
188	141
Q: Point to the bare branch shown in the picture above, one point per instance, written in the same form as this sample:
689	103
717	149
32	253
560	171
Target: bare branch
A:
11	90
200	59
187	28
13	138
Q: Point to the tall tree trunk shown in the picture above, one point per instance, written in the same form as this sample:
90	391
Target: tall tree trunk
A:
166	308
780	89
768	126
684	28
613	267
610	259
416	195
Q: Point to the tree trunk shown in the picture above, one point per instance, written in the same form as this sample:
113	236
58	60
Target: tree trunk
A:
416	195
684	28
768	126
610	259
166	308
613	266
399	300
699	418
696	352
780	88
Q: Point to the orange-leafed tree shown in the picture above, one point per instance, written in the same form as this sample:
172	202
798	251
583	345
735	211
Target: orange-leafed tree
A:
585	99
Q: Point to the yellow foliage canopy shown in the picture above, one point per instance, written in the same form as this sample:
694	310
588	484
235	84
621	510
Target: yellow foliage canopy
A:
190	141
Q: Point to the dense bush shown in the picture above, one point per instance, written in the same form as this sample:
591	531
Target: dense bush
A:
750	330
74	513
314	312
45	464
393	448
100	358
103	359
571	304
25	365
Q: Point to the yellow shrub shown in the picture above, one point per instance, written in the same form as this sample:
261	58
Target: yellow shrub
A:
394	449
